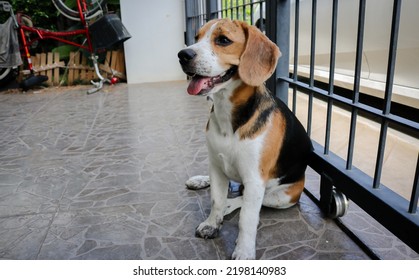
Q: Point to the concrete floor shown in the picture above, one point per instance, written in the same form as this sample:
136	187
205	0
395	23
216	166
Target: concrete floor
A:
102	177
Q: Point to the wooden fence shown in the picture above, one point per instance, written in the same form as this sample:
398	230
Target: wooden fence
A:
78	69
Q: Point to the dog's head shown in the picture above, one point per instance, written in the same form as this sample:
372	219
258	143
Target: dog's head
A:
227	50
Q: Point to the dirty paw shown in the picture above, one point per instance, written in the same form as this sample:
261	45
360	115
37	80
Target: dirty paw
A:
198	182
206	231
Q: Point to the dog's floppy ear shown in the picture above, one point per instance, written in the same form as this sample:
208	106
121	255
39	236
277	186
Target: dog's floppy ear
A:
259	58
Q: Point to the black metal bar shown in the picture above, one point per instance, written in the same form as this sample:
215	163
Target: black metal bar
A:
326	187
360	106
331	76
251	14
272	33
189	24
413	205
199	8
352	235
382	204
278	29
294	100
261	21
388	91
244	10
312	64
310	112
364	247
211	9
380	154
296	42
237	9
231	9
357	82
228	8
296	37
313	41
359	50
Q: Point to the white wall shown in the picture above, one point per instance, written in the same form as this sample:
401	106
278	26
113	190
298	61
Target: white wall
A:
157	28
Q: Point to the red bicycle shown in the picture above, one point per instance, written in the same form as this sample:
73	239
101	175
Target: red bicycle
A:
106	31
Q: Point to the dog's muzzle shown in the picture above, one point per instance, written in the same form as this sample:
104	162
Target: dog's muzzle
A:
186	57
201	84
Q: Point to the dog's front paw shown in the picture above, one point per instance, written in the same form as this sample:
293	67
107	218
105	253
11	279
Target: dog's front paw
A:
206	231
198	182
244	253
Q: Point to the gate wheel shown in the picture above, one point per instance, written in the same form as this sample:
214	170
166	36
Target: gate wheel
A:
338	205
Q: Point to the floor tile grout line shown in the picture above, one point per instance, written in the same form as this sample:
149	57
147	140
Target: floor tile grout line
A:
42	243
26	214
55	214
30	117
201	207
102	100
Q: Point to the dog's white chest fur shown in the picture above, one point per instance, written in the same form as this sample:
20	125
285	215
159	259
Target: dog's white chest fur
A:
231	154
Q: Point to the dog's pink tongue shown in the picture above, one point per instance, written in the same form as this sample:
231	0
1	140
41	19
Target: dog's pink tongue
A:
197	84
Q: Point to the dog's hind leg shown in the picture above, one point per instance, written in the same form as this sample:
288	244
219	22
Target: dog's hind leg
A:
284	195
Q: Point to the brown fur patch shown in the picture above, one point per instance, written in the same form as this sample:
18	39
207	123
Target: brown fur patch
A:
259	59
248	131
295	190
229	55
250	103
241	94
250	49
205	28
272	146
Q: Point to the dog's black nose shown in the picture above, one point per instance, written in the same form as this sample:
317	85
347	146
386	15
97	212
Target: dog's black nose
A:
186	55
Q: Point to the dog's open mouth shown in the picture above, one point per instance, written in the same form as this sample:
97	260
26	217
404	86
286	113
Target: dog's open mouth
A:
201	85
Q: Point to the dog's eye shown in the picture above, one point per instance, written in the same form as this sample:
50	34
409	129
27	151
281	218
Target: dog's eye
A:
223	41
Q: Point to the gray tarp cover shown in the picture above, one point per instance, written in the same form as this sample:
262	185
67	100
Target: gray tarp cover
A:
9	45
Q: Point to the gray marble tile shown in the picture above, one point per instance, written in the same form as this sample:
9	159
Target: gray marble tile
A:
102	177
23	235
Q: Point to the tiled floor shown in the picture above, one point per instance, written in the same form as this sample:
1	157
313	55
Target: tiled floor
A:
102	177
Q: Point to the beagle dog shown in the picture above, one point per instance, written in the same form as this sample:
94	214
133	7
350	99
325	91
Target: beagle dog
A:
252	137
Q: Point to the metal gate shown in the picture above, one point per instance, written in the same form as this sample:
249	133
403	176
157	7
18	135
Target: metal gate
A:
338	173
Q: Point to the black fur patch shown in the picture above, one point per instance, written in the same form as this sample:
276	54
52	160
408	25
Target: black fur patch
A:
296	148
243	113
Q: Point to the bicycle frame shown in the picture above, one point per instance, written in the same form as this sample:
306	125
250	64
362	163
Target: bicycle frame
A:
60	36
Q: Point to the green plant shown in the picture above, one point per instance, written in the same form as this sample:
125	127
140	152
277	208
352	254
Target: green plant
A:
42	13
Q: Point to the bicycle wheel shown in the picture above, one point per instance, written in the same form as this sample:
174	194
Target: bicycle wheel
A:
6	75
94	7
